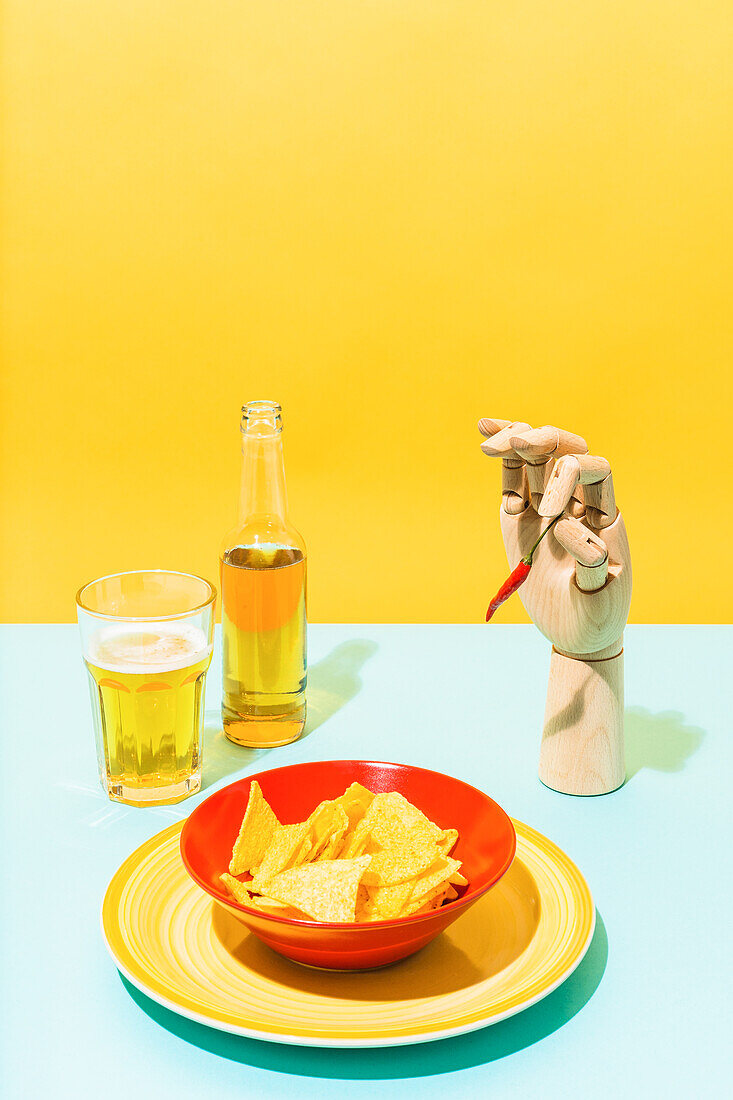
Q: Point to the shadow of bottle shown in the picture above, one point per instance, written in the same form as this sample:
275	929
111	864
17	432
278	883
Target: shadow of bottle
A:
332	683
663	742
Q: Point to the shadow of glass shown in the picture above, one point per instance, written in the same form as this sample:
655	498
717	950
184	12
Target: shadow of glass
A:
332	682
419	1060
663	742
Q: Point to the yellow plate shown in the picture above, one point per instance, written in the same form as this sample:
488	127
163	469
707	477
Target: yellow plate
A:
511	949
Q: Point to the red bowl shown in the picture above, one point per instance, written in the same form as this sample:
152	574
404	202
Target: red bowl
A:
486	847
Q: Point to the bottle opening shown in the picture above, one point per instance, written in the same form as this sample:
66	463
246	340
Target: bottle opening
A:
261	418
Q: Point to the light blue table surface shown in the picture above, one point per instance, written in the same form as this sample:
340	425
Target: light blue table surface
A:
645	1015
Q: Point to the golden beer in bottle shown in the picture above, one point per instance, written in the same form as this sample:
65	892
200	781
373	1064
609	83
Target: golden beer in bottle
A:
263	596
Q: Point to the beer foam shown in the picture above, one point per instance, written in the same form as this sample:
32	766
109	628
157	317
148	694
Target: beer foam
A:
152	647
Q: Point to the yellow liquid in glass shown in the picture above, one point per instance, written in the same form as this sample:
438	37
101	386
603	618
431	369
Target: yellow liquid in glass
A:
264	625
147	689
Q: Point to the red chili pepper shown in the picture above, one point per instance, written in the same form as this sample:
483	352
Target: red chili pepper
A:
517	577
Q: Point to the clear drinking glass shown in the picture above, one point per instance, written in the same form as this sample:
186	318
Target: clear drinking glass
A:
147	639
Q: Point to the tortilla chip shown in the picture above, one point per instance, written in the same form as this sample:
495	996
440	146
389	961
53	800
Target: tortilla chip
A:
328	820
448	841
274	908
355	801
255	833
384	902
335	841
303	853
355	842
437	876
388	808
381	902
425	905
242	893
287	846
239	890
258	902
389	811
397	865
325	891
403	842
320	819
363	904
360	856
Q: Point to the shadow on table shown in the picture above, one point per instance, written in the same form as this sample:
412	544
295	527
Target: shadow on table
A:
221	756
663	742
332	683
419	1060
335	680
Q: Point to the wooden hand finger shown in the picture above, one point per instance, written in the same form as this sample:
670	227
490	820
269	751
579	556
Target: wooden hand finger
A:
539	444
514	487
560	487
539	466
597	482
600	502
498	446
569	472
489	427
540	447
588	549
538	476
576	505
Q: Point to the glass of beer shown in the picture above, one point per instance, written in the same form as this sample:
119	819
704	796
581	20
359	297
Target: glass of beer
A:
147	639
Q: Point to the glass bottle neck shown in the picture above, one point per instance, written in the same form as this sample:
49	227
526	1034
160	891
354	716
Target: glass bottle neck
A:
262	489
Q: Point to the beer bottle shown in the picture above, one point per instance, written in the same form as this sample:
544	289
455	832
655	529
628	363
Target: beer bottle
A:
263	595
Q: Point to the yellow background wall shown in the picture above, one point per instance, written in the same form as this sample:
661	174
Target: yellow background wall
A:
394	216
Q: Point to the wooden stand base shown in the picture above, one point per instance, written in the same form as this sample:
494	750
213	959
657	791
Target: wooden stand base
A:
582	750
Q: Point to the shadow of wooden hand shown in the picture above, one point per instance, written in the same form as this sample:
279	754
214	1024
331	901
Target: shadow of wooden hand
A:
663	742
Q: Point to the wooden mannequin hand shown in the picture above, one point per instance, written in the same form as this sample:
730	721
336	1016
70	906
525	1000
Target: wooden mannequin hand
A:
579	589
